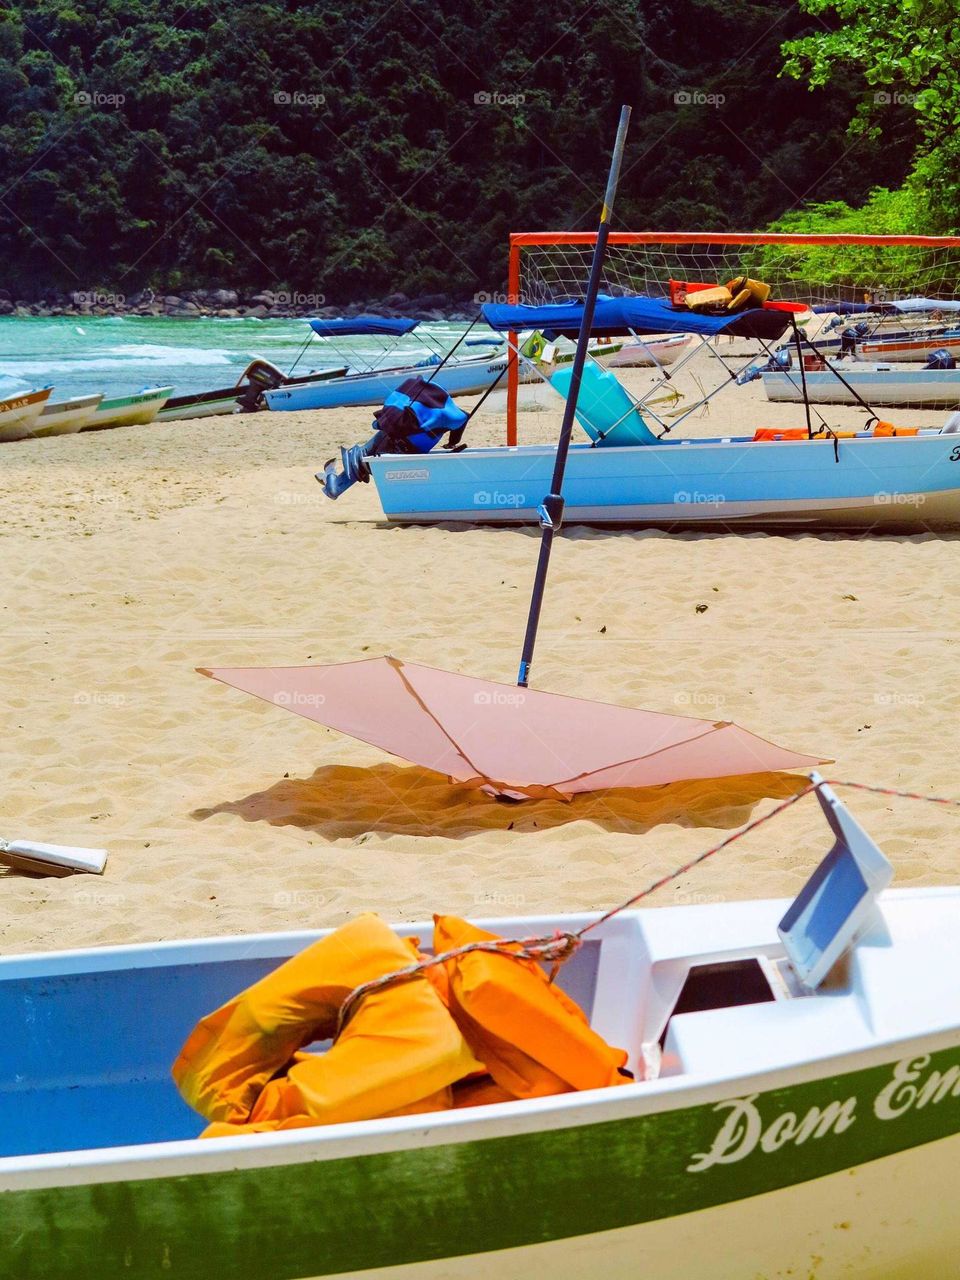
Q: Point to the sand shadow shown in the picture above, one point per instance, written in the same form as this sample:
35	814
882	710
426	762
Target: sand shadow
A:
342	802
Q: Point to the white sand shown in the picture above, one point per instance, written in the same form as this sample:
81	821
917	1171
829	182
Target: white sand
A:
132	556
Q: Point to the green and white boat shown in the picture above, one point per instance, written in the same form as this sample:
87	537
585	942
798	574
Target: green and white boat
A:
796	1112
128	411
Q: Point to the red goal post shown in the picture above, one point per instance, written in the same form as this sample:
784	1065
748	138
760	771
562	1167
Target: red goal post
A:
552	265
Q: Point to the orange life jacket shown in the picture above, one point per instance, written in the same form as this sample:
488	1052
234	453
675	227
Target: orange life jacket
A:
399	1046
533	1038
888	429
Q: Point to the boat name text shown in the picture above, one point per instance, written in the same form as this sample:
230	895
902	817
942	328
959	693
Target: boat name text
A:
744	1130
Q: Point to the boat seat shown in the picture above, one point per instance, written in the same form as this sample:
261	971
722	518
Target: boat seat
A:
605	410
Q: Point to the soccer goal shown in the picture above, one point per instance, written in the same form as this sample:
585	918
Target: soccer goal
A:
553	266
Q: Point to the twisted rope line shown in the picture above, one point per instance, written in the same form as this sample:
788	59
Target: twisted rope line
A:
560	946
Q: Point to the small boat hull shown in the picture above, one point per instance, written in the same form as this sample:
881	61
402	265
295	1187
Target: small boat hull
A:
129	411
833	1161
905	482
655	352
65	417
908	348
19	413
877	384
459	378
208	404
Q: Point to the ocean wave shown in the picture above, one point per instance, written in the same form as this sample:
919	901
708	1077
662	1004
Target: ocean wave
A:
119	359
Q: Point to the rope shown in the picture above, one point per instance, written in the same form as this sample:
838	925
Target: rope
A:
560	946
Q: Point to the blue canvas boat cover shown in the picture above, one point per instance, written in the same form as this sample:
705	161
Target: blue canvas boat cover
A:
615	317
363	325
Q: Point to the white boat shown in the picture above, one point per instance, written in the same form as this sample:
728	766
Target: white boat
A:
246	395
878	383
910	346
467	377
650	353
19	410
128	411
795	1111
64	417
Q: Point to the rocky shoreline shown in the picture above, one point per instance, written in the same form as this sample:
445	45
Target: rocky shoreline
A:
229	304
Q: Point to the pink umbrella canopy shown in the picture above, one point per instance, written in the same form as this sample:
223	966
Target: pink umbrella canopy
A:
508	740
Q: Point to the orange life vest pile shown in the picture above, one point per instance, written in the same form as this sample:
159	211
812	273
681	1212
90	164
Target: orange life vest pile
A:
479	1028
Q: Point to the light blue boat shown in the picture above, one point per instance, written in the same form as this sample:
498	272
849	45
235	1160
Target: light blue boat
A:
469	375
629	476
865	482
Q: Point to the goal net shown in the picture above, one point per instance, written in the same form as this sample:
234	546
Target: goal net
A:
815	270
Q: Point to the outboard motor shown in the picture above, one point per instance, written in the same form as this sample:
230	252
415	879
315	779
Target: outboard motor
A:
413	419
780	361
851	336
940	359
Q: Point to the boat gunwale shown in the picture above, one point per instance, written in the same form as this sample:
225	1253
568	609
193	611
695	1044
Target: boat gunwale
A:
209	1156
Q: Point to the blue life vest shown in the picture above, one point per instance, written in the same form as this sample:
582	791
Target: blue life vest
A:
416	416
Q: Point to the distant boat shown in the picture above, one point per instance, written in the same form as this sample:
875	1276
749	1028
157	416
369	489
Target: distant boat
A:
468	376
876	383
128	411
245	395
64	417
458	378
19	410
653	352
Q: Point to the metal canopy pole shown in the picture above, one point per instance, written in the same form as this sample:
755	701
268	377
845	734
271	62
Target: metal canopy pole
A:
551	509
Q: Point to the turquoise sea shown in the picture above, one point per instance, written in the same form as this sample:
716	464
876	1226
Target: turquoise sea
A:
122	354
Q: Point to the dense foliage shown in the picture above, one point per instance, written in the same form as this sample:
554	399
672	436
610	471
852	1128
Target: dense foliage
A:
908	53
351	150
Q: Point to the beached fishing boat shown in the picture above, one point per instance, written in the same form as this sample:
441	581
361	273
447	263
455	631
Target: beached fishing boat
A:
65	417
459	378
629	475
246	395
794	1111
649	354
878	383
469	375
128	411
19	410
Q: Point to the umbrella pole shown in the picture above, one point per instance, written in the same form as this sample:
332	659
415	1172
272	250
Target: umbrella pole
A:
550	510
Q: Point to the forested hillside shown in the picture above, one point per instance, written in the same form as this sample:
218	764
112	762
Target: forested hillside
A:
353	149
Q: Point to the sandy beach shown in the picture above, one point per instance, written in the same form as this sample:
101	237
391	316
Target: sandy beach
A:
131	557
